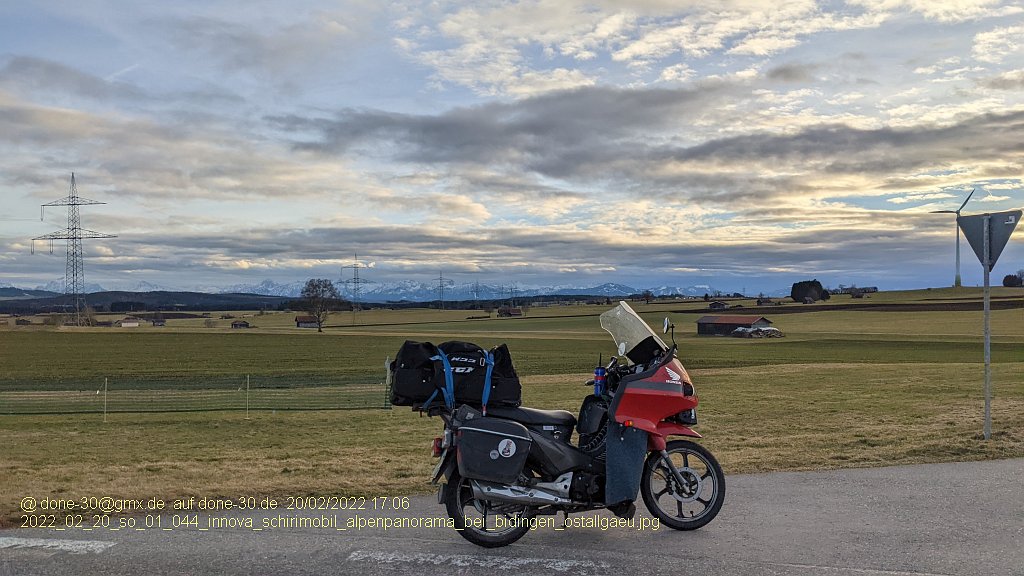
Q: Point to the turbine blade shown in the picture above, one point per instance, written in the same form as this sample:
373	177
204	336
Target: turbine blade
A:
968	199
943	212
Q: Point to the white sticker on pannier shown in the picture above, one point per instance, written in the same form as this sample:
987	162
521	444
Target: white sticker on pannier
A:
507	448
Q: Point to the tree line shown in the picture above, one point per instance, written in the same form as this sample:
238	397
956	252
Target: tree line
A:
1014	280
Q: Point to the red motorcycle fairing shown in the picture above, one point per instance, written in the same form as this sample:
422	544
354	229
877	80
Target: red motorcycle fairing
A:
645	403
656	442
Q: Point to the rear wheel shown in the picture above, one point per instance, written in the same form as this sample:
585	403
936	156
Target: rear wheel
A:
689	504
486	523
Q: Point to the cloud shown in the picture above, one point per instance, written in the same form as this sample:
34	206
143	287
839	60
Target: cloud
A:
444	210
1013	80
540	131
998	44
792	72
990	197
625	140
498	48
946	11
31	75
279	52
145	158
919	197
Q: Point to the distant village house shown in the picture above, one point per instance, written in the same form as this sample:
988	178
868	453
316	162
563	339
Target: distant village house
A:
239	324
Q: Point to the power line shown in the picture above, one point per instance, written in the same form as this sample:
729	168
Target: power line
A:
74	269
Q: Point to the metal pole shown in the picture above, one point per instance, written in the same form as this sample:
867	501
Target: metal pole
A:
246	396
956	280
986	233
105	399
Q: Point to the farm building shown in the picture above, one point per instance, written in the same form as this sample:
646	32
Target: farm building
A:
239	324
305	322
717	305
22	322
724	325
159	322
509	312
128	322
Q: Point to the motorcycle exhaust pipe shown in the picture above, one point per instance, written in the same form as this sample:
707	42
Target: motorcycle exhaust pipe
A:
515	494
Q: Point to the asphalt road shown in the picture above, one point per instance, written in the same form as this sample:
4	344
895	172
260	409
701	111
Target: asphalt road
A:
962	518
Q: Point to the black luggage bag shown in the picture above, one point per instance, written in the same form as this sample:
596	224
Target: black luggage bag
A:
419	375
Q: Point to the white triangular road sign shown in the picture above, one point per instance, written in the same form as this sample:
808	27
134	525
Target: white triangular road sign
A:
1001	225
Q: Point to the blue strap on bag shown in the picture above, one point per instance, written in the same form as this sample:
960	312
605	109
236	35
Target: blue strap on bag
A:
487	382
449	384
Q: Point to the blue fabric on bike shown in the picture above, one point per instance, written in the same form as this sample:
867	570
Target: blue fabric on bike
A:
487	381
431	398
626	449
449	384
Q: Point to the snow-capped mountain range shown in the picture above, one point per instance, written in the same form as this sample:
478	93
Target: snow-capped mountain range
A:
407	290
413	291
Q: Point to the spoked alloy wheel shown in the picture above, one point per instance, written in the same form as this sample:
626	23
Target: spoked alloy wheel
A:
694	502
486	523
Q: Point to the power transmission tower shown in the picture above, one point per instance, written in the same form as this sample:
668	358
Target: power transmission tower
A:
74	273
441	283
472	289
355	283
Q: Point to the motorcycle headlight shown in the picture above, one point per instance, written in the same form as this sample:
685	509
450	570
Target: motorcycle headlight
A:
687	417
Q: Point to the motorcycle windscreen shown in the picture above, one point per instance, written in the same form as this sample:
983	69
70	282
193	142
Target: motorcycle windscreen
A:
625	450
631	334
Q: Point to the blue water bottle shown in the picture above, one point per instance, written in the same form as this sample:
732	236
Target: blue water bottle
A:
600	379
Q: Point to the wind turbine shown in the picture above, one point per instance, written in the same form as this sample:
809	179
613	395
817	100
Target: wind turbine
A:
956	281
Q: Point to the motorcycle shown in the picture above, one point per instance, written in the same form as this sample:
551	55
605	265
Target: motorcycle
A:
502	467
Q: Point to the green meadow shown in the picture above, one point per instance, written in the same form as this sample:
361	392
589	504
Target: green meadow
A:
845	387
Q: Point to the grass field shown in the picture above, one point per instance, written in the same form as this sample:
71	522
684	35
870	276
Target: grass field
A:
844	388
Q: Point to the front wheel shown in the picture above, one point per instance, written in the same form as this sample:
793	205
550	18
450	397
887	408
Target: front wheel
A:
486	523
689	504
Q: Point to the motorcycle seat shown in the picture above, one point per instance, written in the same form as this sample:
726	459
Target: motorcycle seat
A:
534	416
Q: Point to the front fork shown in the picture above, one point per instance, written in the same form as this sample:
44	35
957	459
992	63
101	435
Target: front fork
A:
672	469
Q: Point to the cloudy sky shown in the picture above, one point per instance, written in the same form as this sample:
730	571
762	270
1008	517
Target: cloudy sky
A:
742	144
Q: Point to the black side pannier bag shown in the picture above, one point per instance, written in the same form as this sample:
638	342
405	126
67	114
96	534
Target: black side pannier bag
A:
412	374
492	449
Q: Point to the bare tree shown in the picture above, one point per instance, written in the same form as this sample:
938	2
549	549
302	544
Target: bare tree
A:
320	297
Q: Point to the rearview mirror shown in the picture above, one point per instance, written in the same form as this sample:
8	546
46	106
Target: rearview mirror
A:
666	326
